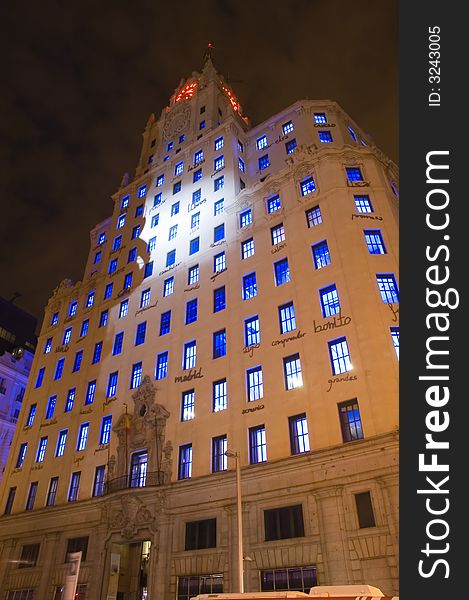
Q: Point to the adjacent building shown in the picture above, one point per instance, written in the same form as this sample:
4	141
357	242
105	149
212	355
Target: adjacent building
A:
240	303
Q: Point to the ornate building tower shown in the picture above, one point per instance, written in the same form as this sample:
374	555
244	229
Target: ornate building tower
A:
241	299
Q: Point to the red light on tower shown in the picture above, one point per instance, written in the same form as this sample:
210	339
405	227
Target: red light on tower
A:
187	92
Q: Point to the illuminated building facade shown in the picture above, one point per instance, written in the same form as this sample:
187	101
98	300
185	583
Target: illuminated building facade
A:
243	296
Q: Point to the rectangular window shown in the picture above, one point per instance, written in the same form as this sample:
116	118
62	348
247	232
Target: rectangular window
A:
51	407
31	415
47	346
52	492
363	204
99	481
325	137
106	426
148	271
28	558
98	347
219	163
219	458
104	316
241	165
55	319
159	180
365	514
194	245
112	384
173	232
40	374
261	142
195	220
197	176
354	174
340	356
307	186
170	258
295	579
70	399
299	438
142	190
117	243
193	275
277	234
136	376
198	156
83	436
77	361
292	372
138	469
139	211
90	300
395	339
283	523
220	397
175	209
313	216
218	144
161	370
132	255
247	248
59	367
67	336
257	445
90	392
112	265
352	134
273	204
252	331
118	341
179	168
287	127
135	232
168	286
320	118
128	281
187	405
108	291
219	262
196	196
140	333
290	146
85	326
282	272
31	498
387	286
330	304
74	486
374	241
219	299
21	455
350	421
219	232
185	461
218	207
191	311
201	534
321	256
145	298
219	183
9	502
41	449
249	286
155	220
287	317
151	244
72	309
219	343
120	221
61	442
190	355
255	384
245	218
125	202
165	322
157	199
78	544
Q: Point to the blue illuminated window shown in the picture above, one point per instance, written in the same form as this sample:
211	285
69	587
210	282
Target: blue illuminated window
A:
325	137
257	445
218	144
90	299
97	257
99	481
31	415
112	265
121	221
219	162
51	407
112	384
387	286
247	248
70	399
197	175
240	146
125	202
40	376
148	271
172	232
194	245
321	256
136	377
118	341
151	244
106	426
320	118
313	216
219	343
61	442
168	286
98	347
202	125
219	232
47	346
187	405
185	462
179	168
103	317
193	275
282	272
123	309
154	220
116	244
72	309
132	255
241	165
59	367
220	397
287	127
108	291
41	449
245	218
157	199
219	183
277	234
218	207
181	138
190	355
219	458
252	331
169	146
219	299
128	281
21	455
299	438
174	209
139	211
135	232
363	204
67	336
191	311
77	361
307	186
340	356
287	319
255	384
196	197
354	174
140	333
292	372
83	436
330	303
261	142
264	162
249	286
142	190
159	180
165	322
352	134
195	220
219	262
55	319
350	421
177	187
161	370
374	241
395	339
290	146
90	392
273	204
74	486
198	156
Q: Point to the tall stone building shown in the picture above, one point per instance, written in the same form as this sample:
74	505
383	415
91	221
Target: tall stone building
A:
241	299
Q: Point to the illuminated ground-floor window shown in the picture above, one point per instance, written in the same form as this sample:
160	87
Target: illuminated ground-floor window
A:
298	579
192	585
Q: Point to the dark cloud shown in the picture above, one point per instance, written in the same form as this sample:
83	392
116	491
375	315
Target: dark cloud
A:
79	81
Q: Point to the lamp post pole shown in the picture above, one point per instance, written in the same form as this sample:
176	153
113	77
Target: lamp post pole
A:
239	512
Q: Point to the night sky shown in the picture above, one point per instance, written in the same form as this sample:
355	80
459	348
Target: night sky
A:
79	80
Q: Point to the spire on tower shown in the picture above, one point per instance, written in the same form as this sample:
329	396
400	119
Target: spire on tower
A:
208	53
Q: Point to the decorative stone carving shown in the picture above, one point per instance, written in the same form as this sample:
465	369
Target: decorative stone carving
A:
125	180
176	121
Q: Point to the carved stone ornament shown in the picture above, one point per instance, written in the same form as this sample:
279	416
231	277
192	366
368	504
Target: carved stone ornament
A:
176	121
125	180
130	515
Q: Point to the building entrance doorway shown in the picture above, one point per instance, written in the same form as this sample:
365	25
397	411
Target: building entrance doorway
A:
134	563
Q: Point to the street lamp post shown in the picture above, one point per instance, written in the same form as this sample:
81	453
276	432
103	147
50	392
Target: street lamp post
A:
235	455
